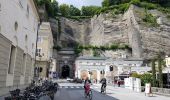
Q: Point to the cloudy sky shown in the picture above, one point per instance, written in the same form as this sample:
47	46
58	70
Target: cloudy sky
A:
80	3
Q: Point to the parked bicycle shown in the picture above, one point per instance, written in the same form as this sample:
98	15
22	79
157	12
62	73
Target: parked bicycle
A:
34	92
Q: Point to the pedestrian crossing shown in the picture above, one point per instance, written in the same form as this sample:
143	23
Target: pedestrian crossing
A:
76	87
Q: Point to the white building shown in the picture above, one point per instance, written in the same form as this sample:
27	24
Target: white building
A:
97	65
19	21
44	49
167	60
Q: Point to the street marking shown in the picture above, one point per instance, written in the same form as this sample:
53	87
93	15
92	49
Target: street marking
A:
71	87
77	87
66	86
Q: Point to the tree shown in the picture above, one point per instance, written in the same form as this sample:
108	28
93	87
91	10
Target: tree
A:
73	11
153	73
136	75
64	9
89	10
106	3
146	78
50	7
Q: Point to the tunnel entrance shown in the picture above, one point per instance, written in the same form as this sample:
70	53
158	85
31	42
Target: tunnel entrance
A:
65	71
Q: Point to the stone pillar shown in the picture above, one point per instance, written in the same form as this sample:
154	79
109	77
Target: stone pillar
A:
79	74
98	76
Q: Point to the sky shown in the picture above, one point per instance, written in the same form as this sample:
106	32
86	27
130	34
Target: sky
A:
80	3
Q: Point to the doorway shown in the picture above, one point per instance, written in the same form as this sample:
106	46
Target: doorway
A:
65	71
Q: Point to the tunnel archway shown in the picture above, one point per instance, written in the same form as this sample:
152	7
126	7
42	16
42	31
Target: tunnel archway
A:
65	71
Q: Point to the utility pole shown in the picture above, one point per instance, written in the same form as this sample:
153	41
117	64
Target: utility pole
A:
153	73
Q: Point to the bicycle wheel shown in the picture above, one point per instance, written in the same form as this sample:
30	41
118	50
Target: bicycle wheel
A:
85	94
104	90
90	95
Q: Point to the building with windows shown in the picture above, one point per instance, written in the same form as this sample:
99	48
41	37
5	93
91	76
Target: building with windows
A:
19	22
44	49
99	67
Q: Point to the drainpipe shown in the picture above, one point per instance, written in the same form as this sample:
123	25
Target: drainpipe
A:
36	70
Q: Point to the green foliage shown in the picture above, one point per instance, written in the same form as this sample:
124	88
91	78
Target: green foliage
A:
79	18
89	10
58	48
96	53
64	9
136	75
168	16
150	20
73	11
164	10
147	5
106	3
103	48
135	2
51	7
146	78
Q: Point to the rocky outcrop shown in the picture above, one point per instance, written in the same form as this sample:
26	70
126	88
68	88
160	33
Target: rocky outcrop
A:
127	28
75	31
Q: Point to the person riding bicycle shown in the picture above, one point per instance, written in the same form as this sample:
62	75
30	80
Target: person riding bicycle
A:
104	84
87	83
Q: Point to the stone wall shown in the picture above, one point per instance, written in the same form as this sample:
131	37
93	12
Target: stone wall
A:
128	28
5	46
18	65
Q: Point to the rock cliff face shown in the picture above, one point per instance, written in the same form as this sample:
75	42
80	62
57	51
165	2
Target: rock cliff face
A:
105	29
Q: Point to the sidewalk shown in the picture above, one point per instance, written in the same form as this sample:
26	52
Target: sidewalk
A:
126	94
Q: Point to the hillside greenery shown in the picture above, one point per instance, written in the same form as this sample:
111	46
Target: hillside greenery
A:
116	6
95	49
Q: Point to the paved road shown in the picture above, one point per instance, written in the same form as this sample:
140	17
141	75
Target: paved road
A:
71	91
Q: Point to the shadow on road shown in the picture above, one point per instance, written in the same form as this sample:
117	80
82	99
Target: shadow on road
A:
99	96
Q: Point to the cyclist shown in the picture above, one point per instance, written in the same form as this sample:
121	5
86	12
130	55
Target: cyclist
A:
104	83
87	83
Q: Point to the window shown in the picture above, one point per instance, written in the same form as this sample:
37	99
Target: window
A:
21	3
23	64
26	38
32	45
12	59
28	10
16	26
38	52
0	7
40	39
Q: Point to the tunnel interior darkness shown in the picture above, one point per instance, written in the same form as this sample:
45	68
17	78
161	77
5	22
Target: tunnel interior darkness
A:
65	71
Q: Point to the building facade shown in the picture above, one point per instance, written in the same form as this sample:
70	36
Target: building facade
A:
19	21
99	67
167	60
44	49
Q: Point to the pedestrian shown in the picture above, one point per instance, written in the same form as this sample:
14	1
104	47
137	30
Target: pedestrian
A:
118	82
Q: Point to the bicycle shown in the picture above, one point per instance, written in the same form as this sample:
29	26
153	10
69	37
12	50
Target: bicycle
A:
88	92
